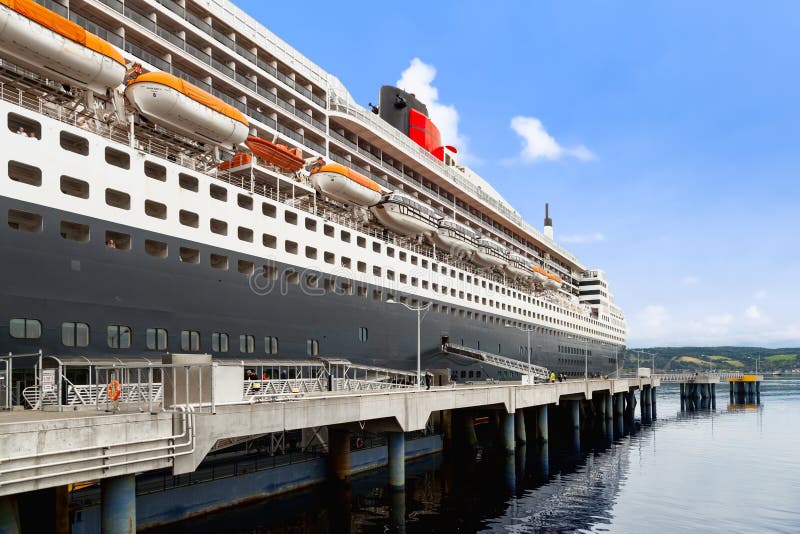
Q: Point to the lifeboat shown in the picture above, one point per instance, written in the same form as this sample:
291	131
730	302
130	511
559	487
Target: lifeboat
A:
288	159
47	43
553	282
239	160
455	238
516	267
345	185
405	215
539	274
180	106
489	254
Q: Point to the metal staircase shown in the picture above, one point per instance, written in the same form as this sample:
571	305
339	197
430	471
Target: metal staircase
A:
538	372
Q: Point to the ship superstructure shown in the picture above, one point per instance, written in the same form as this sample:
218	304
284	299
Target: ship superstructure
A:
158	202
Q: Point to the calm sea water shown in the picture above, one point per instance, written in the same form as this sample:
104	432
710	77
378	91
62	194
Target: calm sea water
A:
723	469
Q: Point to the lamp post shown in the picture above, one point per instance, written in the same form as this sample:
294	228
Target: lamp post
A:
585	356
419	310
527	330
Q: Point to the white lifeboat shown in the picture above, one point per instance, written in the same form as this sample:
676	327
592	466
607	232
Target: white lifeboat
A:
489	254
405	215
455	238
184	108
516	267
553	282
539	274
45	42
345	185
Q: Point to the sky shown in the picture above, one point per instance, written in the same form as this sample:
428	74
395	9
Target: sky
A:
664	135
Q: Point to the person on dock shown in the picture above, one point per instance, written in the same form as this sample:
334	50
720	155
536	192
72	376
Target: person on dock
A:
552	376
427	379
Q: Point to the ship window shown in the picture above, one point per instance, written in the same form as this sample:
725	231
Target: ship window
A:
362	291
187	182
218	193
219	261
74	143
189	255
312	281
376	294
414	281
118	199
271	345
74	187
75	231
25	328
363	334
247	344
403	279
361	266
155	248
156	339
345	289
292	277
268	209
376	271
402	256
329	285
390	275
190	340
328	230
311	224
118	240
26	174
312	347
345	236
269	272
390	252
245	267
24	221
118	158
424	284
119	337
376	247
189	218
244	201
269	240
219	342
75	334
245	234
330	257
346	263
291	247
155	171
218	227
361	242
413	260
155	209
311	253
290	217
24	126
424	264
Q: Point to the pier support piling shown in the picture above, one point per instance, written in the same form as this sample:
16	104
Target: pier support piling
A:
339	455
118	505
397	460
609	401
541	423
9	515
619	404
519	426
507	429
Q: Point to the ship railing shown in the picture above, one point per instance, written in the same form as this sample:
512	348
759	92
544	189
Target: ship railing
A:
538	372
281	389
351	384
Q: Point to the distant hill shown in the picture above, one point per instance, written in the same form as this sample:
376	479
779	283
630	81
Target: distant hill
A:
723	358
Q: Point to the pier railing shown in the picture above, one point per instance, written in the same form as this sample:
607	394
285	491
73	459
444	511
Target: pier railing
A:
689	377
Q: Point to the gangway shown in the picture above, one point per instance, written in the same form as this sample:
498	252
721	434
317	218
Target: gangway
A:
538	372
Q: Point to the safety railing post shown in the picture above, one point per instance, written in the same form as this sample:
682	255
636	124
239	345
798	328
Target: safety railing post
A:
213	399
186	378
200	386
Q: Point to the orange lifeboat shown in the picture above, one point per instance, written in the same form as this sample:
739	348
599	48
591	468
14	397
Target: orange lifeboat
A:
47	43
346	185
240	159
289	159
180	106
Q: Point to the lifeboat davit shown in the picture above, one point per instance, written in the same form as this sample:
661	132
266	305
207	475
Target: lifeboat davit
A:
239	160
346	185
455	238
516	267
184	108
288	159
405	215
45	42
489	254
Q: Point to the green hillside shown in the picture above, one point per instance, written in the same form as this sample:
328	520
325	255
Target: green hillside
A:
721	358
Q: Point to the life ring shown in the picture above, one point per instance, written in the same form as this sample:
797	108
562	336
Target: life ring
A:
359	443
114	389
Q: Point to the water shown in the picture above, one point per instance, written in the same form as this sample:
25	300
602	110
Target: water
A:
729	469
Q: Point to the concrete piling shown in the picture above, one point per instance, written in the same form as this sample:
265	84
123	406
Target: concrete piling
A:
507	430
339	457
519	426
9	515
397	460
609	402
541	423
619	409
118	505
398	511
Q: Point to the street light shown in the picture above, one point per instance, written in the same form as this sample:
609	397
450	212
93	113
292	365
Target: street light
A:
585	357
527	330
419	310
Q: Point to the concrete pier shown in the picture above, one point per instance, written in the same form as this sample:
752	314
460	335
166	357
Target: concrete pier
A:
746	390
507	430
519	426
609	402
397	460
339	455
118	505
619	404
541	423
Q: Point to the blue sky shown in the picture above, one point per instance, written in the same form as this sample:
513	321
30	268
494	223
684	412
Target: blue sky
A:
663	134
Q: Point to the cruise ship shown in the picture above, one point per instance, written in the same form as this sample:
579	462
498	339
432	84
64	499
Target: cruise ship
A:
180	180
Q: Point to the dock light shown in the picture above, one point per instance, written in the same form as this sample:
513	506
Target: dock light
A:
419	310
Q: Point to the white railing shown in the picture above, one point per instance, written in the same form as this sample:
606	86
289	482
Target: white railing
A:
688	377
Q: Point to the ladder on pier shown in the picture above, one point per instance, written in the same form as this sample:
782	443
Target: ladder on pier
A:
538	372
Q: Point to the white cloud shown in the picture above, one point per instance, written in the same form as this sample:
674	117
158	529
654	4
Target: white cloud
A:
690	280
418	79
582	238
753	312
537	144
